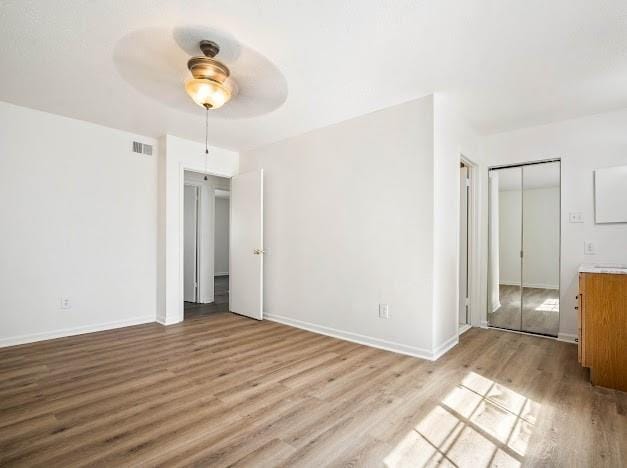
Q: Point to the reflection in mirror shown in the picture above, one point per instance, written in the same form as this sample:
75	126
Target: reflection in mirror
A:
524	246
541	248
505	231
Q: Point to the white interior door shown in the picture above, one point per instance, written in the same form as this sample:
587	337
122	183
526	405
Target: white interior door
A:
190	243
246	245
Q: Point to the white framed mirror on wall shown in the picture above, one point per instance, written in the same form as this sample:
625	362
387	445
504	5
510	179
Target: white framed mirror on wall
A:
524	247
610	193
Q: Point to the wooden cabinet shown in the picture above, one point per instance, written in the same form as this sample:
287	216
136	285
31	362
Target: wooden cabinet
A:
602	309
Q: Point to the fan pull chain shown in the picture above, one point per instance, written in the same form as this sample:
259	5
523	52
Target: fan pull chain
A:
206	138
206	130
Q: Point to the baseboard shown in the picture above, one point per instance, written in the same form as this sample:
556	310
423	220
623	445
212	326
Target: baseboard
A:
463	329
567	338
24	339
484	324
445	347
226	273
363	339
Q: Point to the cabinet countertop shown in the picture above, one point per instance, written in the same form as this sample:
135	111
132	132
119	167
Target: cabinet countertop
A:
606	268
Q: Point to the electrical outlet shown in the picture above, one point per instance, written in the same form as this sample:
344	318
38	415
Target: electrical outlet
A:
64	303
384	311
589	248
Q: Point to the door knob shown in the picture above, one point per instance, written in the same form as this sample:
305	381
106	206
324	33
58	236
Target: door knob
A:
259	251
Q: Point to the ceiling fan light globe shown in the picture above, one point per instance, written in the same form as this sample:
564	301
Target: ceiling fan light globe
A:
208	93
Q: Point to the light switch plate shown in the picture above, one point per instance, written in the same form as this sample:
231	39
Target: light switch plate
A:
575	217
384	311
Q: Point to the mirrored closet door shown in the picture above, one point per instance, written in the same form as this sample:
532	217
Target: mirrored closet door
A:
524	248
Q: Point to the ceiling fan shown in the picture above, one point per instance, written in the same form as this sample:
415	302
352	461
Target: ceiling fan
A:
211	86
158	62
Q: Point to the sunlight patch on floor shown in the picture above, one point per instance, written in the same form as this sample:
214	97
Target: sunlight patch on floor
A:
479	423
549	305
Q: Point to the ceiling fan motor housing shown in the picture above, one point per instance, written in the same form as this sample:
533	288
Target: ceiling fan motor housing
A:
207	68
208	87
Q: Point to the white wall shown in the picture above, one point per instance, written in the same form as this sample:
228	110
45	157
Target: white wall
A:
178	156
583	145
221	264
453	137
349	225
79	219
190	247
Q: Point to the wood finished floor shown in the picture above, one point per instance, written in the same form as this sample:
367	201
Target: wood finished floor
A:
223	390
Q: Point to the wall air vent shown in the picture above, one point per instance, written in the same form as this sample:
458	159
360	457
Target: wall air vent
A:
142	148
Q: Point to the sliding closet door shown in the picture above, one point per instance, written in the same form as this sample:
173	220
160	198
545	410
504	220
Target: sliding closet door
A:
541	248
505	240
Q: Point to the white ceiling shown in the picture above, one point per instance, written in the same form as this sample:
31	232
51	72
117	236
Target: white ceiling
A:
510	63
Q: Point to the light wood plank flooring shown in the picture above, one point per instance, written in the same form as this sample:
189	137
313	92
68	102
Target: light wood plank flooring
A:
224	390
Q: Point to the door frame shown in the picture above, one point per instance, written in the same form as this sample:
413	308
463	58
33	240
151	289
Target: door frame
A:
484	311
474	239
181	267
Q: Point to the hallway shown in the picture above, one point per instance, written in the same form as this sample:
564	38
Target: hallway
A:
220	303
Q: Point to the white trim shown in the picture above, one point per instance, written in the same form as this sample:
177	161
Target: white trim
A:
161	321
206	293
222	273
485	324
180	155
463	328
365	340
23	339
445	347
567	338
474	240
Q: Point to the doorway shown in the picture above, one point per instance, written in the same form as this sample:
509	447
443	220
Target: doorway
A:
205	244
524	247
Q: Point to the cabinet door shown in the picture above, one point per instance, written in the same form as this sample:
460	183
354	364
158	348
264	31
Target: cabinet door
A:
583	330
579	334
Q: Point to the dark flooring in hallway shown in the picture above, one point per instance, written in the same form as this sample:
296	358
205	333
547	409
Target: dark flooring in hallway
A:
220	303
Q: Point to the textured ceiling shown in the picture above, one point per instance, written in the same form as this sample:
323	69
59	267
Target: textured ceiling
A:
306	64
